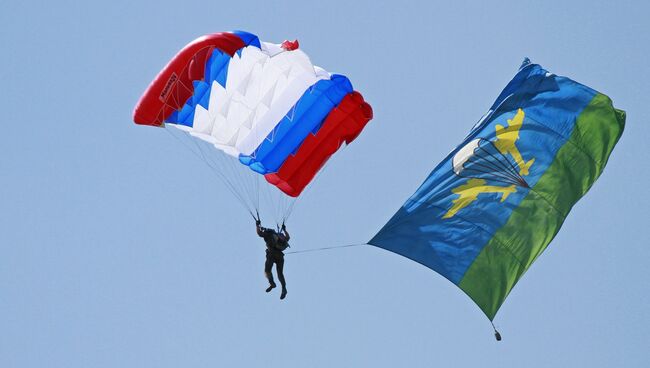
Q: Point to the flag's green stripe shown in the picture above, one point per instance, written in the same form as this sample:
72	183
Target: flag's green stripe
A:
530	228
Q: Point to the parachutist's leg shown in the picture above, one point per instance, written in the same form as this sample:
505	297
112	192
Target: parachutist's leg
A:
279	267
268	266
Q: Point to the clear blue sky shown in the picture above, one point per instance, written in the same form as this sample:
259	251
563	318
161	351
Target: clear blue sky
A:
117	250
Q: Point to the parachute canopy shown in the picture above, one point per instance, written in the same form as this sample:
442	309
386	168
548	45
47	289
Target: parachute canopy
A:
264	104
489	209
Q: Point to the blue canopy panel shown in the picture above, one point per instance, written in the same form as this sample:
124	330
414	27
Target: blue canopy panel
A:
304	118
248	38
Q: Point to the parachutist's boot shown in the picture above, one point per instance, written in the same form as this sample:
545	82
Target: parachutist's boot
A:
284	293
271	282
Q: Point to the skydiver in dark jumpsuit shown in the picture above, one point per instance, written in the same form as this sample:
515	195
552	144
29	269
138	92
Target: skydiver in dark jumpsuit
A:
275	244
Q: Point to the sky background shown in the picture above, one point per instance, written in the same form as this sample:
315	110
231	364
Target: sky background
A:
118	248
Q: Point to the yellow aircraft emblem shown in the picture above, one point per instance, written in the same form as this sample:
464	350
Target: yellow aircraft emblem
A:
505	142
506	138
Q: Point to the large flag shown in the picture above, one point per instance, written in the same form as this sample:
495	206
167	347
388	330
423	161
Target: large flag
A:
491	207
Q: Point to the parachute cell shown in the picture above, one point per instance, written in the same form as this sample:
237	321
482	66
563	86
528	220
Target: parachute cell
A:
343	125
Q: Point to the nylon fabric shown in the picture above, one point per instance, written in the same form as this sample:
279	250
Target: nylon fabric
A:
483	216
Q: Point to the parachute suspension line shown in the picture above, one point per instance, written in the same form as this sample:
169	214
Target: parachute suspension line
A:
215	166
200	156
268	199
272	200
291	202
229	185
220	167
289	210
256	189
325	248
497	335
285	204
247	180
278	204
257	193
229	164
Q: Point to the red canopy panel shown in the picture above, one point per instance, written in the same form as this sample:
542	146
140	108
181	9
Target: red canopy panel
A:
173	85
343	124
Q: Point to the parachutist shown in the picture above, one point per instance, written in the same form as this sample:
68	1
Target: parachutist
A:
276	243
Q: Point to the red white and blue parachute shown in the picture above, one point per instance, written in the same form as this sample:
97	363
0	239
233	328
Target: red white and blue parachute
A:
265	105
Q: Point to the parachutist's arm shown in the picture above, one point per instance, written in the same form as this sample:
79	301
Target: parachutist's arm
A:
286	234
258	228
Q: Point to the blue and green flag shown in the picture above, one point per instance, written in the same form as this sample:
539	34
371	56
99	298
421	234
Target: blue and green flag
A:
491	207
